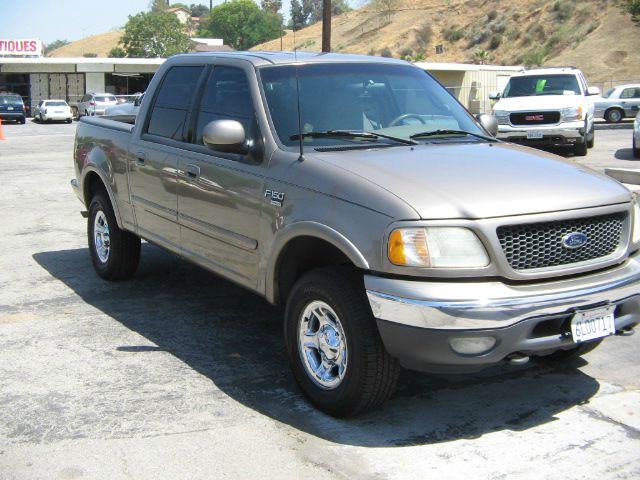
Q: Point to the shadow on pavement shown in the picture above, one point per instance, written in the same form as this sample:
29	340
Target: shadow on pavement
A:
626	154
234	338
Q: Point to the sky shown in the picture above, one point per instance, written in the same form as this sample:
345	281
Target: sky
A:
50	20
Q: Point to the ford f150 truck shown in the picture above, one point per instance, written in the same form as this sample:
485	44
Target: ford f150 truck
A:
360	194
547	107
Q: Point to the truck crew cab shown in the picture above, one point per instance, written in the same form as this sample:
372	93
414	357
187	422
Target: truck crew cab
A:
360	194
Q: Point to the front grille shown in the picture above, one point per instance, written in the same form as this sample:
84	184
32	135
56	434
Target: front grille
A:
540	245
534	118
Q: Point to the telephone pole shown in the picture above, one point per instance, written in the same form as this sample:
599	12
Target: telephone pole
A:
326	25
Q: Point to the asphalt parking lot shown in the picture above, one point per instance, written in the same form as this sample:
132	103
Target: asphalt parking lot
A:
180	374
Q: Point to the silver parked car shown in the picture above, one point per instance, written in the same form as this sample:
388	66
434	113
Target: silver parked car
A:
636	136
618	102
95	103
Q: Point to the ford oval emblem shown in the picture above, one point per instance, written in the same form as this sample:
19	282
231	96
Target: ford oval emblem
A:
574	240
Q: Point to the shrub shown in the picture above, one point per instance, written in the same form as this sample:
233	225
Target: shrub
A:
495	41
424	34
89	55
386	52
563	9
453	34
492	15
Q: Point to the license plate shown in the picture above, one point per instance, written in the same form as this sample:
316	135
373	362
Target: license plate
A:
58	111
9	108
590	324
534	134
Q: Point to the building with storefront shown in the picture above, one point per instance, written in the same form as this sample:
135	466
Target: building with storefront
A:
40	78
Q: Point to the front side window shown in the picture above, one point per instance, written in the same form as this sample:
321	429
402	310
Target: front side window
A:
169	112
608	93
383	99
226	96
536	85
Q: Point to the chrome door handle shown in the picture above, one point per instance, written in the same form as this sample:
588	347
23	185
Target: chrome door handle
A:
193	171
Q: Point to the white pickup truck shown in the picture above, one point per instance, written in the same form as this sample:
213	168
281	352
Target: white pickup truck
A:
547	107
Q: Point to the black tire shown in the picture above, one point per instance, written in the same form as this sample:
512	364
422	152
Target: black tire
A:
580	149
614	115
575	352
591	137
636	150
23	120
371	373
68	120
123	252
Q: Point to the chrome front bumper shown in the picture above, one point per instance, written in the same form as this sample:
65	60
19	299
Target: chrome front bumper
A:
467	305
568	130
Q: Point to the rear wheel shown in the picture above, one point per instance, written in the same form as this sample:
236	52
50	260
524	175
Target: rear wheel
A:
334	347
614	115
115	253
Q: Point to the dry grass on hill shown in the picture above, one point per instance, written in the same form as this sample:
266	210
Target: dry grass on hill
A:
98	44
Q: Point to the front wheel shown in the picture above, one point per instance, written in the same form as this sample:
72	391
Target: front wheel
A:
335	350
115	253
580	149
591	137
636	148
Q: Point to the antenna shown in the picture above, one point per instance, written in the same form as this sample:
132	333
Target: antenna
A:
295	56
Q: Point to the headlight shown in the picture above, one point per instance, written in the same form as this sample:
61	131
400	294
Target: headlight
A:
436	247
635	238
571	114
502	116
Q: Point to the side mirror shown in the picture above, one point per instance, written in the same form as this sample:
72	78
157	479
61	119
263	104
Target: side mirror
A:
489	122
593	91
225	136
494	95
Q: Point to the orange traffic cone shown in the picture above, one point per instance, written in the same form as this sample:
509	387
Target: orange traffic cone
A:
1	132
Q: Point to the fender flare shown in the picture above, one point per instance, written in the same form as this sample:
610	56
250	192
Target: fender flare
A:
97	163
307	229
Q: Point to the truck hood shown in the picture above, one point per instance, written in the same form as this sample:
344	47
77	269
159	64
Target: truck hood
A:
479	180
542	102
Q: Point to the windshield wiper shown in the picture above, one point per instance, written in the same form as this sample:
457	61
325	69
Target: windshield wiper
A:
352	134
433	133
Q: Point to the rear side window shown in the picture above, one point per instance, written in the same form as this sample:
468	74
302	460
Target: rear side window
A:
630	93
226	96
171	106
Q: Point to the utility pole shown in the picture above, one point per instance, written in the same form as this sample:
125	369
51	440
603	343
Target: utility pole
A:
326	25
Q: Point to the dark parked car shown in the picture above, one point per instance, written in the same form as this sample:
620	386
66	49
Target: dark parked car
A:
12	107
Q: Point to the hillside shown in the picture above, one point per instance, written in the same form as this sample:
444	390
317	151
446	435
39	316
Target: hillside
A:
99	44
548	32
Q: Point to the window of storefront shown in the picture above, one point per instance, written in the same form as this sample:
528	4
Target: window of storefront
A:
127	83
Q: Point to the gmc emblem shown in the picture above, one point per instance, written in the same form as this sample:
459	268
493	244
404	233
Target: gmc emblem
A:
534	118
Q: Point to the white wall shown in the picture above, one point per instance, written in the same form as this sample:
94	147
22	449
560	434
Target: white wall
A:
94	82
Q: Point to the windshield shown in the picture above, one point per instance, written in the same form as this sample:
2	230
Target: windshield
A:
56	104
534	85
106	99
392	100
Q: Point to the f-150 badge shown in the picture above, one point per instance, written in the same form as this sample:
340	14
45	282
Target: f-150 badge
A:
276	198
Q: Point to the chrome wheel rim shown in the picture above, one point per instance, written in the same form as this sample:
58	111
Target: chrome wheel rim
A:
615	116
101	238
322	345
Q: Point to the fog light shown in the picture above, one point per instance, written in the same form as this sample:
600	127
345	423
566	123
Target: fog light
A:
472	345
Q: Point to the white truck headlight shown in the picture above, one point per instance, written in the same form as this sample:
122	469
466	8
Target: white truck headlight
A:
635	238
502	116
436	247
571	114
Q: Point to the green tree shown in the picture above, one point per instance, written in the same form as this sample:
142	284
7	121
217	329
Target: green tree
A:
117	52
158	5
315	12
242	24
271	6
298	19
50	47
198	10
154	34
632	7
